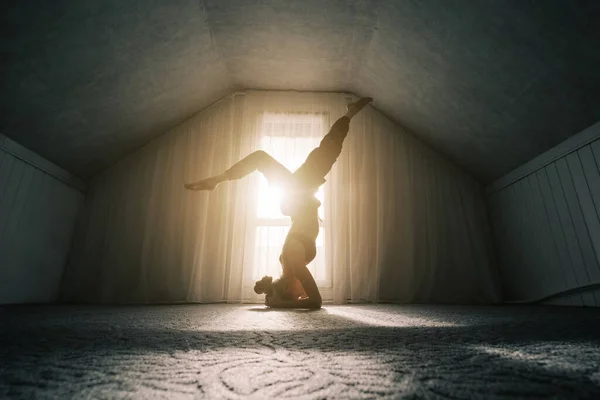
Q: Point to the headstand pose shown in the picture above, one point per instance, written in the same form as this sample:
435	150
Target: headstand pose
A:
296	288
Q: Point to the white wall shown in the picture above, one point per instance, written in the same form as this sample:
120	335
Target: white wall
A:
38	206
546	223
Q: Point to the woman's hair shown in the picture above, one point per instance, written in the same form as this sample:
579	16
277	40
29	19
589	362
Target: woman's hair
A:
267	286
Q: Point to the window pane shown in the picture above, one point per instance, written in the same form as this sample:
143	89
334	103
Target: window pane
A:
269	198
289	151
268	244
288	138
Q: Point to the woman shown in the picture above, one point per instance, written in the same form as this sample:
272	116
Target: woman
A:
296	288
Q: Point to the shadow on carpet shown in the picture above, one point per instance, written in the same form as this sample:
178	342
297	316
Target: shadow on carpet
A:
235	351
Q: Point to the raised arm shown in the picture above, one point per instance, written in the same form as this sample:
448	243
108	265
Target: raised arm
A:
314	299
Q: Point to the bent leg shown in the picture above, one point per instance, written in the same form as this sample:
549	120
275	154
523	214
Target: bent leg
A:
258	160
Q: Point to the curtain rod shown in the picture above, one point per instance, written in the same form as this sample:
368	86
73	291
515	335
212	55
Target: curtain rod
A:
242	92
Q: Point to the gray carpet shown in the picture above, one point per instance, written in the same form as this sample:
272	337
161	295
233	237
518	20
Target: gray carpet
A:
238	351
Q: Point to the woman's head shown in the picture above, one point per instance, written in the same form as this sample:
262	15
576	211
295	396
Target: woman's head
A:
268	287
265	285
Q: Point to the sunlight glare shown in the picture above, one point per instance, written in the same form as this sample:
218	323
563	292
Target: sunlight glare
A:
269	199
368	316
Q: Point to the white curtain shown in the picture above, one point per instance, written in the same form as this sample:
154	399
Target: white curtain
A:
408	226
143	238
400	223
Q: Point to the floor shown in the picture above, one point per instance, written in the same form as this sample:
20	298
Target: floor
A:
248	351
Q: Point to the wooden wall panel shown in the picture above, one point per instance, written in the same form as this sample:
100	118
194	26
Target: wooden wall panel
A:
37	214
546	228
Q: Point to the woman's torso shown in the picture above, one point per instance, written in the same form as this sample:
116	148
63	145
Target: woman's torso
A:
304	211
305	228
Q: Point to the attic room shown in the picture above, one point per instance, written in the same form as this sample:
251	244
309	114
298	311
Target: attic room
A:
454	226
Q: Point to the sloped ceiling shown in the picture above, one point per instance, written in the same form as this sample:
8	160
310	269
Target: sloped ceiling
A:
491	84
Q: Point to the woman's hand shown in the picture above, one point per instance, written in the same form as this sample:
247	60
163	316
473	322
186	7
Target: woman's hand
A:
273	301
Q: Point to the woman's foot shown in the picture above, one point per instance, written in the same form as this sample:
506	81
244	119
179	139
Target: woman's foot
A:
204	184
355	107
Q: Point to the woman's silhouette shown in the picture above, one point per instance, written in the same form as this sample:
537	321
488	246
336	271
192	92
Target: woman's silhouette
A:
296	288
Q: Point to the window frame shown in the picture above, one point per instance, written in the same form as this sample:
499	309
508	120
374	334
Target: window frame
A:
284	221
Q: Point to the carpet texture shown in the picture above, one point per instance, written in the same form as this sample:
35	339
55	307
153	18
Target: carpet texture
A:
239	351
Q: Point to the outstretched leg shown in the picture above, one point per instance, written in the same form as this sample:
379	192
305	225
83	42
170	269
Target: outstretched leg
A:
259	160
319	162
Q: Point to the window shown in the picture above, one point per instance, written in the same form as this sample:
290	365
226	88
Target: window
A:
289	138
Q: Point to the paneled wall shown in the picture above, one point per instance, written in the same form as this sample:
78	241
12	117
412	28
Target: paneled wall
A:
546	223
38	206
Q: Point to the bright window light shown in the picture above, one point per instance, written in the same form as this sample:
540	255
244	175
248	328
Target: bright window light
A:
288	138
